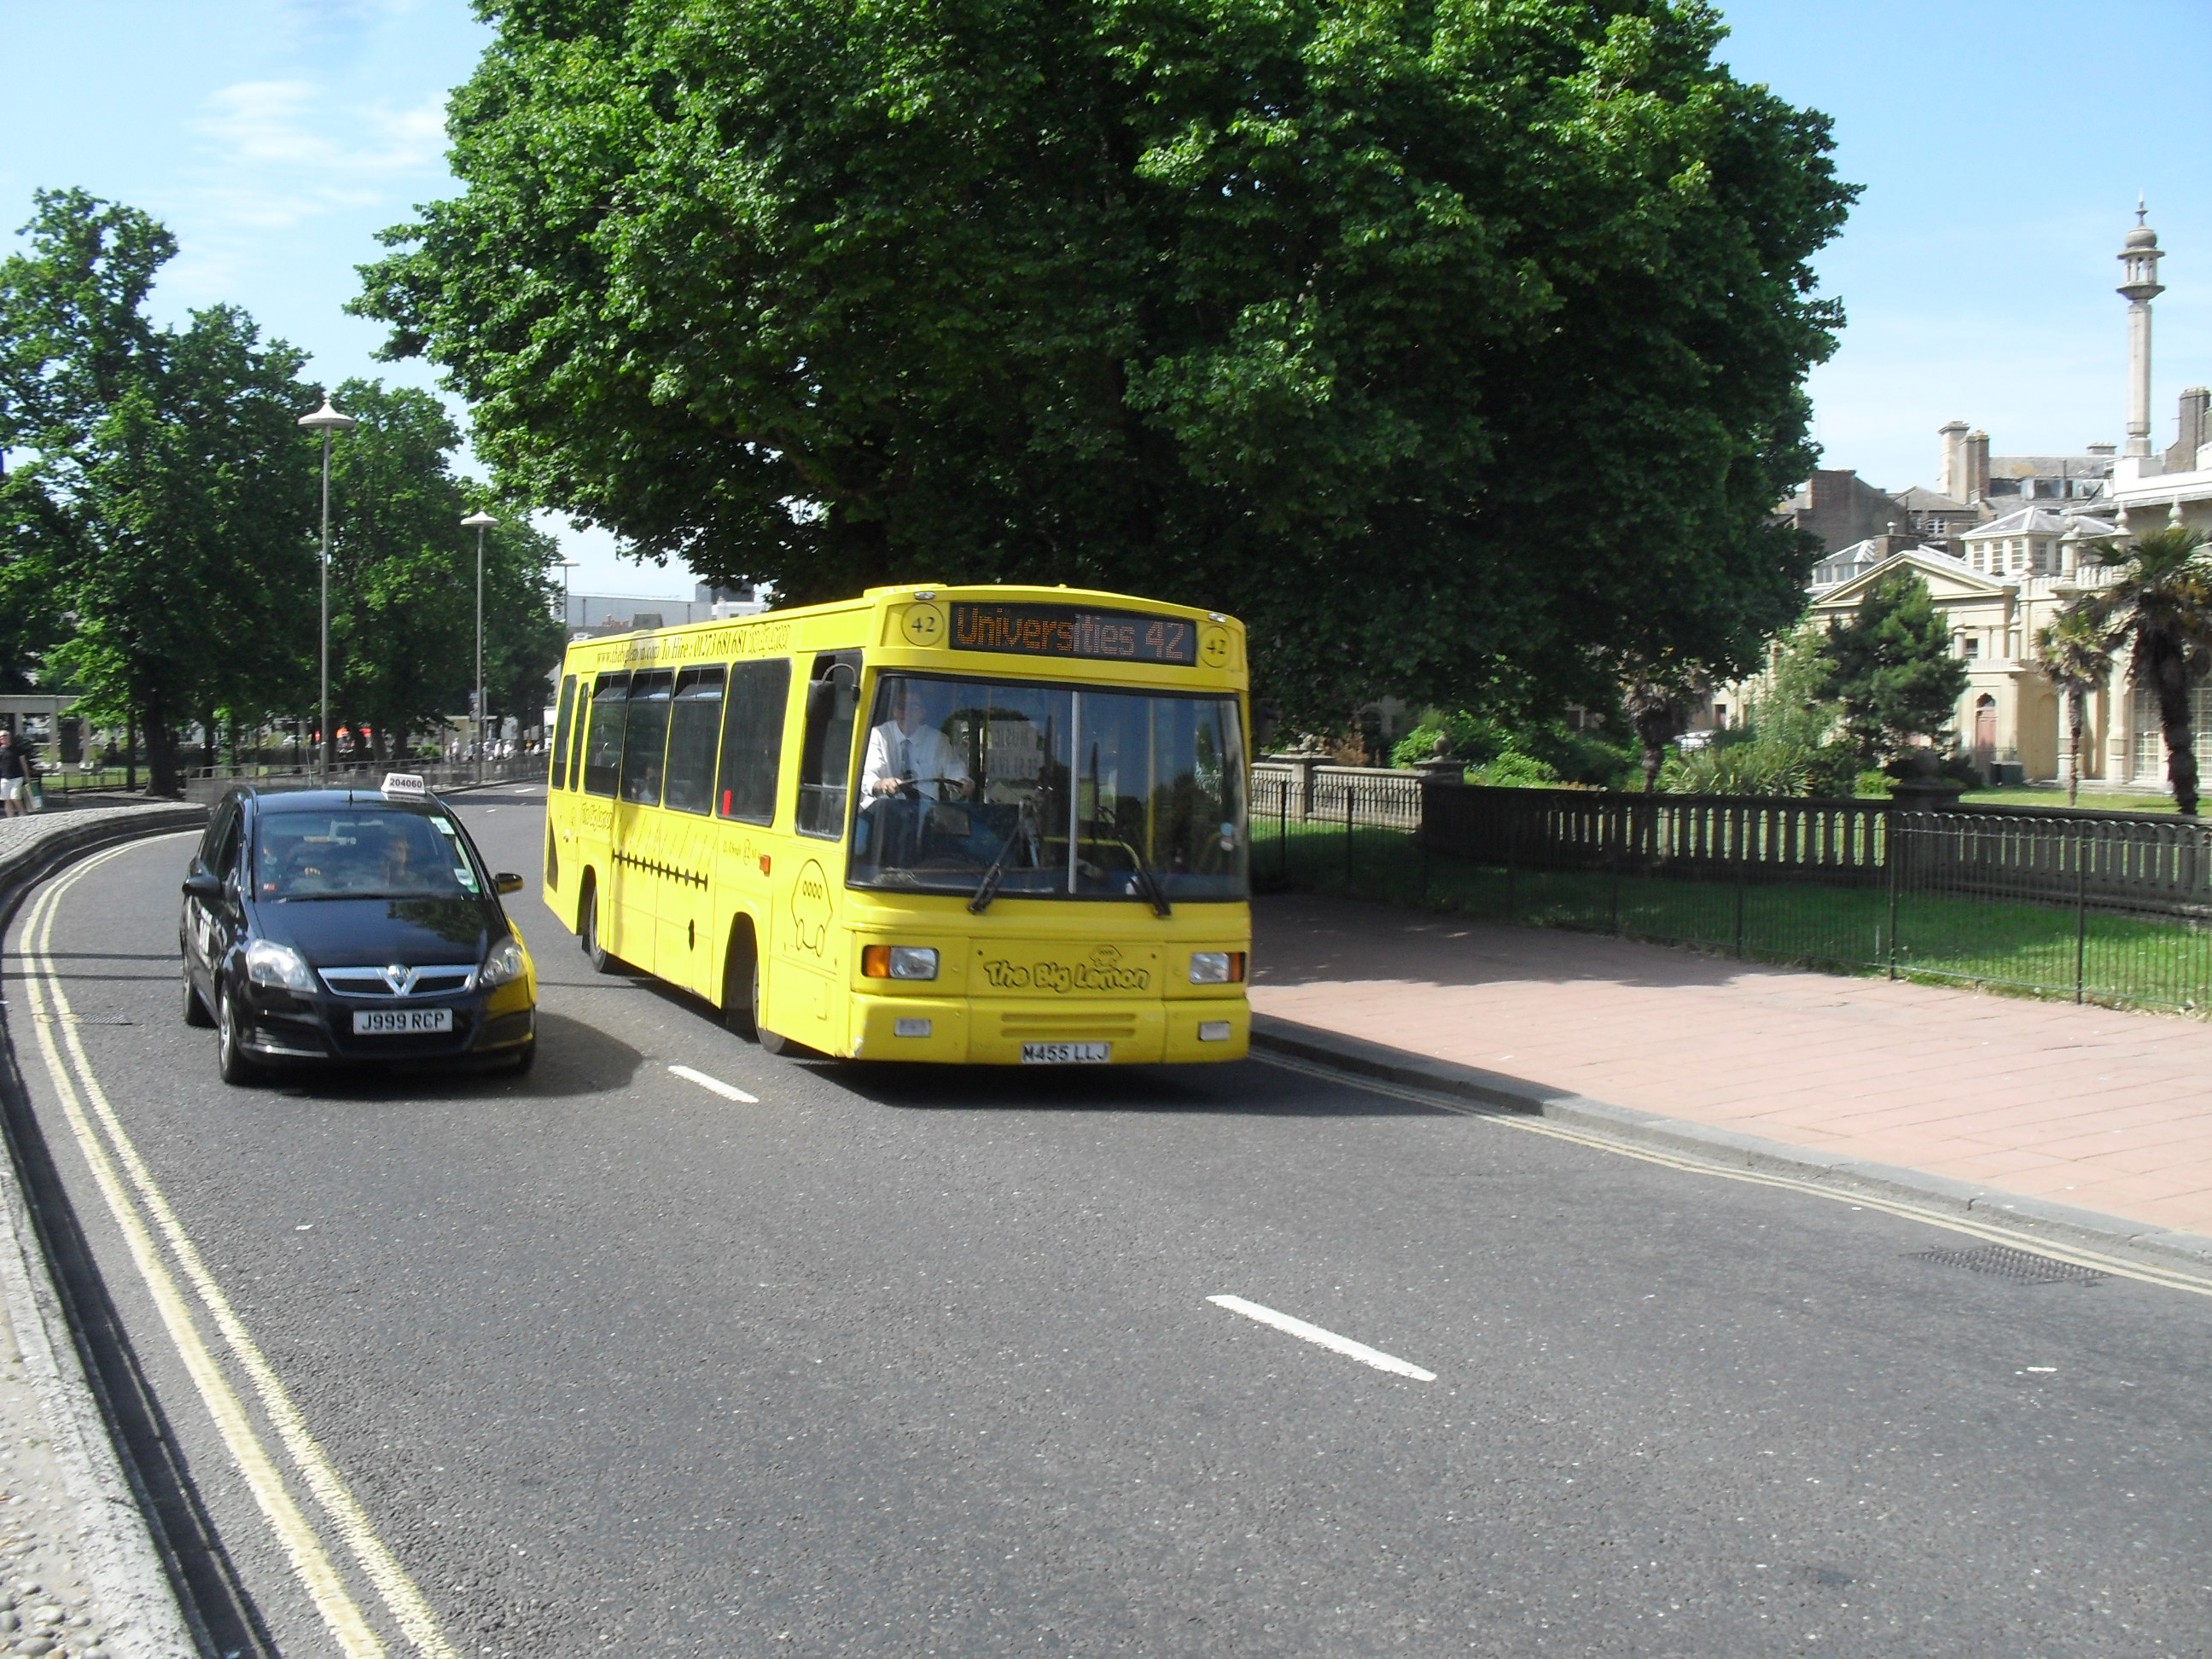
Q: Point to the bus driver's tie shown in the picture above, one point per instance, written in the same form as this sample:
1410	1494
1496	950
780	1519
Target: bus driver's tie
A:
906	758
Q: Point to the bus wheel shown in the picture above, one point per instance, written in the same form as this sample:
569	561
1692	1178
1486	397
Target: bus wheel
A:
741	985
769	1042
588	936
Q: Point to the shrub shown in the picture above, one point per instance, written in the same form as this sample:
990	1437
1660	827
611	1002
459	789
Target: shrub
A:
1473	738
1514	770
1738	768
1875	782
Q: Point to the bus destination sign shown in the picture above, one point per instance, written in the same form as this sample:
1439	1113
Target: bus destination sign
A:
1064	630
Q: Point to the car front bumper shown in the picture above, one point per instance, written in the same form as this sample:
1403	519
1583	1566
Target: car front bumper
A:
277	1025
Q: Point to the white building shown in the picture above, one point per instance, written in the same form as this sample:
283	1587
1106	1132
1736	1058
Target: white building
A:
2001	581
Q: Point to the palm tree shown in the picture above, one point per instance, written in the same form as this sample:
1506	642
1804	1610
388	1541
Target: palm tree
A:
2159	603
1659	697
2072	653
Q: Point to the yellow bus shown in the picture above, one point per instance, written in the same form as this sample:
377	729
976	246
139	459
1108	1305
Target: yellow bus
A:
986	825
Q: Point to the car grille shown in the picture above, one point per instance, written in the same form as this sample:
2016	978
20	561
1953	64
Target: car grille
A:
403	982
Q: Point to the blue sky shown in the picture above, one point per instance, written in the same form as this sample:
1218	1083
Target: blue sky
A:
2001	144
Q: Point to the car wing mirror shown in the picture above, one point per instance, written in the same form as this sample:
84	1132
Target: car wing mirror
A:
207	889
507	882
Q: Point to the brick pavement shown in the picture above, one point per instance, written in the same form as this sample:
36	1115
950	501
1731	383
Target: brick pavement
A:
2105	1110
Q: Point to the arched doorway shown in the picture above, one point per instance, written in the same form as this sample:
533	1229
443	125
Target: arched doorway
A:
1985	735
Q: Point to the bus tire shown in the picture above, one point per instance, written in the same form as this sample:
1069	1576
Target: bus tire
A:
740	972
770	1042
587	934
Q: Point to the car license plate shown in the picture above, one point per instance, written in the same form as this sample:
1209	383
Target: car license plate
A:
1066	1053
400	1022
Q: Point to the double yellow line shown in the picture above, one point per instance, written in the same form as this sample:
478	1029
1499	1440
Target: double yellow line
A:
2175	1278
143	1215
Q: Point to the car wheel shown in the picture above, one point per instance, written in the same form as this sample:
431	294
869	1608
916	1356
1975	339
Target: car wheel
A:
195	1011
232	1062
594	952
769	1041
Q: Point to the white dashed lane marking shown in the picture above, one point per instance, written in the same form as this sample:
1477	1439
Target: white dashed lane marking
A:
715	1085
1320	1338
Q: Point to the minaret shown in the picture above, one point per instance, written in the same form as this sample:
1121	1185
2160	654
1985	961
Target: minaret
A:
2139	260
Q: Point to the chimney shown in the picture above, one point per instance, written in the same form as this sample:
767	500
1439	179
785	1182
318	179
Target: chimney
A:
2182	458
1951	461
1977	479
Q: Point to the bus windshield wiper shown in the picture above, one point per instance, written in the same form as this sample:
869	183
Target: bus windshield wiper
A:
987	889
1151	883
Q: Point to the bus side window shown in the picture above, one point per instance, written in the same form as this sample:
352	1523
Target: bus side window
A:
693	726
825	764
561	731
603	744
753	739
575	755
644	737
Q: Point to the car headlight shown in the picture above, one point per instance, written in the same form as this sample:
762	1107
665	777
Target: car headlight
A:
1217	967
268	962
505	962
899	961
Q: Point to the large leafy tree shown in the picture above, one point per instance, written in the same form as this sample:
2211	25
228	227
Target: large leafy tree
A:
403	576
1444	341
1891	668
165	493
2157	602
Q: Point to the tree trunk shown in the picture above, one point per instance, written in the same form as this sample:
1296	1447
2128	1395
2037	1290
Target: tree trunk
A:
2171	682
1654	756
2075	698
160	751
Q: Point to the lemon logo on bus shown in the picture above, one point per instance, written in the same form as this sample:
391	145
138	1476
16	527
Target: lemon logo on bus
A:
810	908
1214	646
923	624
1102	972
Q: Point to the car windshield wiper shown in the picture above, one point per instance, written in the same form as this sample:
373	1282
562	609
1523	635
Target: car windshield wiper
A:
987	889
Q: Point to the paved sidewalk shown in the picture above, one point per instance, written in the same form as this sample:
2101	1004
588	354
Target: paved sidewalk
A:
2081	1106
80	1577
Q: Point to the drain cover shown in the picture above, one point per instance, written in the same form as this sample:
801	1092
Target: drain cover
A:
2021	1266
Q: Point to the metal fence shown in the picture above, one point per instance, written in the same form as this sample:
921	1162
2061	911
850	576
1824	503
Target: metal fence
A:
2111	907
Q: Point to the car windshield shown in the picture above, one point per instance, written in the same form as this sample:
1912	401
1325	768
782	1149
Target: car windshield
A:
362	853
1065	792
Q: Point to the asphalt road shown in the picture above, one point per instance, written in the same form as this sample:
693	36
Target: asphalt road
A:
902	1362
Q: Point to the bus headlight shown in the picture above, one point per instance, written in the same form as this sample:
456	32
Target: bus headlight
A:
1217	967
898	960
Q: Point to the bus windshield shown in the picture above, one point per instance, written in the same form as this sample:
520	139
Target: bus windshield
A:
1066	792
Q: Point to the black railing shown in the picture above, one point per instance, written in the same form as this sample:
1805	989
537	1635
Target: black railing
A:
2105	907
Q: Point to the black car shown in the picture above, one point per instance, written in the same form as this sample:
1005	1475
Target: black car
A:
351	925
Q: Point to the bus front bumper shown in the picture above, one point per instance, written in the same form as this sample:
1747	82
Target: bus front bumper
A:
952	1031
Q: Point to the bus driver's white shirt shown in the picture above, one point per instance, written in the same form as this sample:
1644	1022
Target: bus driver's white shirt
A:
933	754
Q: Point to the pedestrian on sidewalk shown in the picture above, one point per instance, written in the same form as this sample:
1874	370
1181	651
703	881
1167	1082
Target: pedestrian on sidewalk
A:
14	776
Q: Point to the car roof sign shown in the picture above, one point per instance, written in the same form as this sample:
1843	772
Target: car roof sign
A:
405	786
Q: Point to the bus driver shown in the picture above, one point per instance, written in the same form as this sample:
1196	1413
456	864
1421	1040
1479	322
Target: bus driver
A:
908	754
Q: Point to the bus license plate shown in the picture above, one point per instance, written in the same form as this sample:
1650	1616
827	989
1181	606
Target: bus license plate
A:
1066	1053
400	1022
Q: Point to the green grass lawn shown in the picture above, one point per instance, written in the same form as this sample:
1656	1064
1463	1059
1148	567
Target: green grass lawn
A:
2098	800
2025	948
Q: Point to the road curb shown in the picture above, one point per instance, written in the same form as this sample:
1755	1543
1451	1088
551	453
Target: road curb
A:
2032	1218
115	1546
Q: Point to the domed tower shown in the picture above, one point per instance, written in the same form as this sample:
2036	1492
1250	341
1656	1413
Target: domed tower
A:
2139	258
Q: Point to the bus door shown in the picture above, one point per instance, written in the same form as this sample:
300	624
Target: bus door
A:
806	998
758	696
640	862
596	770
684	949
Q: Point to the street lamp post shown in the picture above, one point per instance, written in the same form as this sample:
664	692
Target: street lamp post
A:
479	522
567	570
326	421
